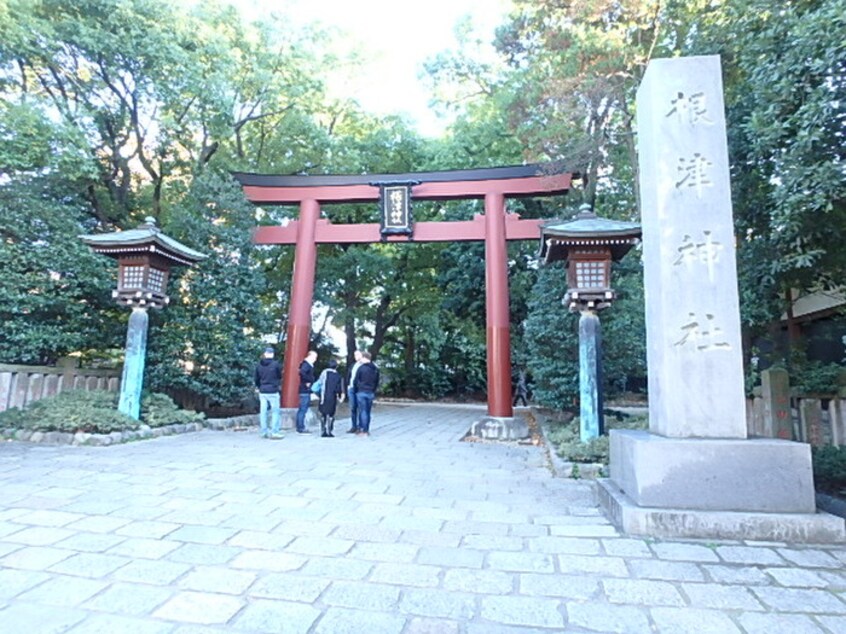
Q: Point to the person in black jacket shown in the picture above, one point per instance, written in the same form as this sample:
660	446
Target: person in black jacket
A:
331	391
268	379
306	379
366	383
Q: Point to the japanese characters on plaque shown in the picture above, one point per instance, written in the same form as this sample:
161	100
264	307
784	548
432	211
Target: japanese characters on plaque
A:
699	251
395	204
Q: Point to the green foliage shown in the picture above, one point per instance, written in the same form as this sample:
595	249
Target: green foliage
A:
830	469
94	412
72	411
567	443
158	410
815	377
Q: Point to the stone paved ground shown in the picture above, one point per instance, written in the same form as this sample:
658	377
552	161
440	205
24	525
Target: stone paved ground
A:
406	532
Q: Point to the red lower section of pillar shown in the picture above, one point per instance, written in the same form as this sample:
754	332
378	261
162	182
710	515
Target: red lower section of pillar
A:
295	351
499	372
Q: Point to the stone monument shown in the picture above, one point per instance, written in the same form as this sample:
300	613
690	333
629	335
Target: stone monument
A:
695	473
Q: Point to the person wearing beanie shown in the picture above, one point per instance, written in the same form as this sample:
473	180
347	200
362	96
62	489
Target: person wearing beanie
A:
331	391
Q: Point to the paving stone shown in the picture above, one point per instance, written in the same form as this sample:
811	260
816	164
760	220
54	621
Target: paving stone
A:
39	536
527	611
114	624
665	570
91	542
99	524
27	617
624	547
9	528
528	530
521	562
599	617
427	538
366	533
737	574
406	574
267	560
129	599
48	518
437	603
835	624
692	621
217	579
202	534
797	577
569	545
337	568
91	565
800	600
199	607
35	557
344	621
204	554
64	591
750	555
369	596
398	553
289	586
587	530
641	592
810	558
147	528
493	542
455	557
605	566
721	597
478	581
320	546
677	551
282	617
142	548
420	625
14	582
151	571
756	623
564	586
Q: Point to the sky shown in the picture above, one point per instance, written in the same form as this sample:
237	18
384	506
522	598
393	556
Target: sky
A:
398	37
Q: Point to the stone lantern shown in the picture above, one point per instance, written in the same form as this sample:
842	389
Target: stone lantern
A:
588	244
145	256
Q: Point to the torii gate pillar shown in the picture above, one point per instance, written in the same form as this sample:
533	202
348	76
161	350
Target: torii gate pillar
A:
496	304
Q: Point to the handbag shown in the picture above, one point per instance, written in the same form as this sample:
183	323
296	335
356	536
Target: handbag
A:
315	387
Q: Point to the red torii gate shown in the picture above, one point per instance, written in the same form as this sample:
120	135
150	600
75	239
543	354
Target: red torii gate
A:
495	227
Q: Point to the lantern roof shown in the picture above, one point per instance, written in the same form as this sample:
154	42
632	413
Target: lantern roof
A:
147	238
585	230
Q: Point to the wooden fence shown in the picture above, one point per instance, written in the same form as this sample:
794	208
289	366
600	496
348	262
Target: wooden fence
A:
23	384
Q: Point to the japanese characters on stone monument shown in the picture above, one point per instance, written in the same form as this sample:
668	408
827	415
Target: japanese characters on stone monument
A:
693	319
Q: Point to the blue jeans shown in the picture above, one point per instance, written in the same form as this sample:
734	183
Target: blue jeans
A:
302	410
353	408
364	400
270	401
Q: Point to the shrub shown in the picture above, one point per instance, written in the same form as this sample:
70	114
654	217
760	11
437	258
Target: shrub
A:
93	412
159	409
567	443
830	469
71	411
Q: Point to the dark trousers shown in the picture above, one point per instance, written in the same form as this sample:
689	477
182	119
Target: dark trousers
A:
302	410
365	403
353	408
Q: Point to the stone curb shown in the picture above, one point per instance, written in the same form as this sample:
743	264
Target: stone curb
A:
144	432
560	467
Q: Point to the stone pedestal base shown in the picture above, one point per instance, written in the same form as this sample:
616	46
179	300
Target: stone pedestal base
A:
496	428
714	488
816	528
289	418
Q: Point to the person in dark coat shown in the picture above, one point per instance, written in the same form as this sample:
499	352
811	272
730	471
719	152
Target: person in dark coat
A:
366	384
268	380
331	391
306	379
